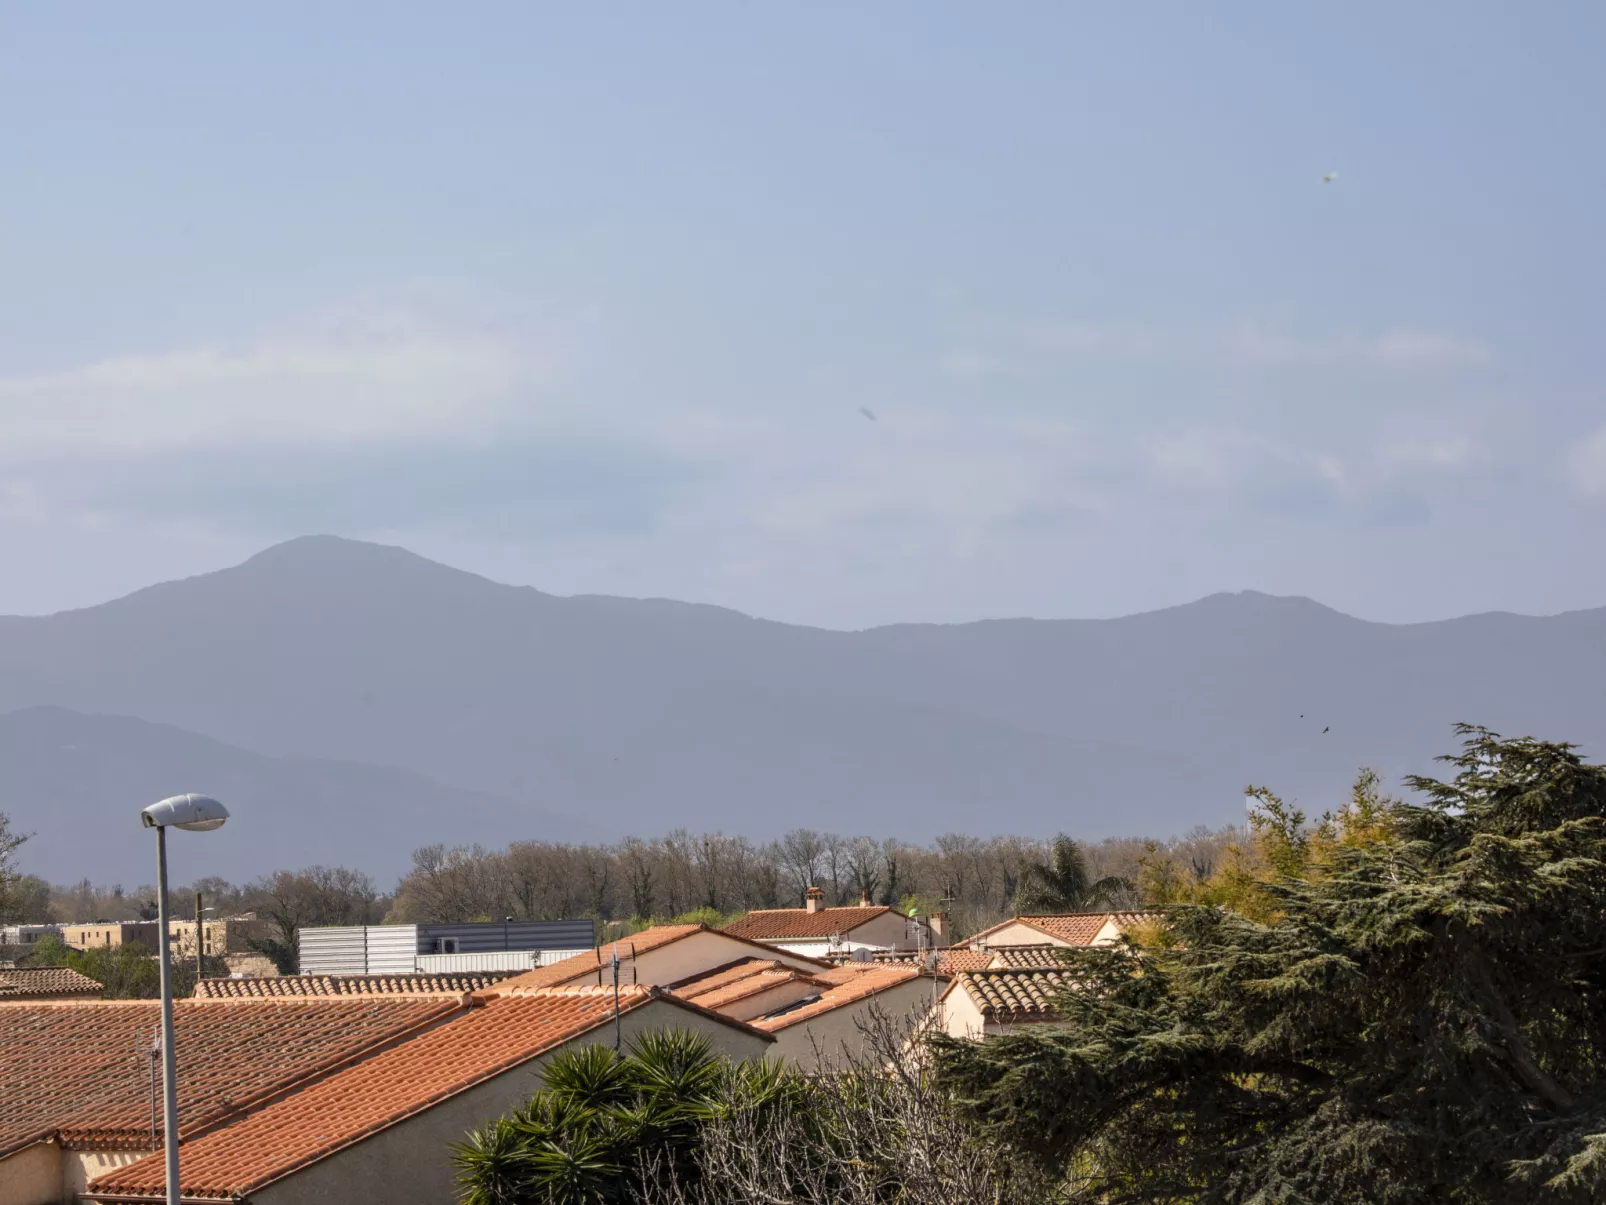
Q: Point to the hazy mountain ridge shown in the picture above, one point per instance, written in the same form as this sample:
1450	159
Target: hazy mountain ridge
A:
77	782
647	715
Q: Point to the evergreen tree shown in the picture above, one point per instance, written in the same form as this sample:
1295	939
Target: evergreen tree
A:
1418	1013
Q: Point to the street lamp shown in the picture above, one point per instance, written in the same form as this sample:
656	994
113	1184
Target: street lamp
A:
198	813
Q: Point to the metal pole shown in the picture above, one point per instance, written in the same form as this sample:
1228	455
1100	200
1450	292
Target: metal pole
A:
200	971
169	1064
616	996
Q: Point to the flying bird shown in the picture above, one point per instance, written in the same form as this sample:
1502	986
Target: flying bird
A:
1324	729
1329	177
868	413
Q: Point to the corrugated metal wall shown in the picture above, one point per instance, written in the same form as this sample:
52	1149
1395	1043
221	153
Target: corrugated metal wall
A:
396	949
333	951
490	960
478	937
548	957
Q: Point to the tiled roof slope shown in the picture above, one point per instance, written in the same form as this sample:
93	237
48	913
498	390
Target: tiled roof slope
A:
37	982
352	1104
1073	928
593	966
1044	956
746	978
1015	994
82	1069
455	983
799	924
843	985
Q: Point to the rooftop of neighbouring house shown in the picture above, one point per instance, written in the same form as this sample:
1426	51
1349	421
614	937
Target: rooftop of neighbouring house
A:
1014	993
1072	928
41	983
799	924
841	986
495	1036
446	983
80	1071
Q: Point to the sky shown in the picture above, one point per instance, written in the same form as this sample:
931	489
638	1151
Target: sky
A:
834	314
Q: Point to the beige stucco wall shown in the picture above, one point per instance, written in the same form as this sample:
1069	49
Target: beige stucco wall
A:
1023	935
838	1029
960	1017
32	1176
80	1167
411	1162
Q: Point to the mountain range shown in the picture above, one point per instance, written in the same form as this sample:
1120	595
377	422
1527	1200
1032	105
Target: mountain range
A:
353	701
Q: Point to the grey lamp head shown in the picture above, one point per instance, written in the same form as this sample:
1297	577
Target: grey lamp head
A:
198	813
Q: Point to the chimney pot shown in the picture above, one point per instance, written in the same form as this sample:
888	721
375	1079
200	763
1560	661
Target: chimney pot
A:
864	899
814	899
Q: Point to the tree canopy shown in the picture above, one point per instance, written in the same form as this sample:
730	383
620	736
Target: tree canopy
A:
1403	1003
1062	883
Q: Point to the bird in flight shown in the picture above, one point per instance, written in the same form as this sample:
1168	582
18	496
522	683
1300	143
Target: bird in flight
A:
1329	177
868	413
1324	729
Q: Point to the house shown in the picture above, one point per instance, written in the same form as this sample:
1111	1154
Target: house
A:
308	987
1061	929
46	983
978	1004
828	1021
817	931
219	938
79	1077
382	1128
111	934
23	936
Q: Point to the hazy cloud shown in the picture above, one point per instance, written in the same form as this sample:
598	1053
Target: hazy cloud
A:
1586	465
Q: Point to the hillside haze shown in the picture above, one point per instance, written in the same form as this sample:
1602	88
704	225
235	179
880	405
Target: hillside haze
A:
642	716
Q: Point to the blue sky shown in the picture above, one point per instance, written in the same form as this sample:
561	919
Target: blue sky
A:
591	300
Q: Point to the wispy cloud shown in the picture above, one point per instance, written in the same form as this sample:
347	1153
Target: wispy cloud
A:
1586	466
1399	349
355	374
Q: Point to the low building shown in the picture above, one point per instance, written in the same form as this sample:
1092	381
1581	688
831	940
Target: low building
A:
397	949
219	938
23	936
383	1128
46	983
980	1004
818	931
111	934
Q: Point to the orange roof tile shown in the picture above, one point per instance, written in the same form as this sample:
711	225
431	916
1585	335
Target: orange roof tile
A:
1016	994
751	976
793	924
341	1109
456	983
81	1069
843	985
1041	956
36	983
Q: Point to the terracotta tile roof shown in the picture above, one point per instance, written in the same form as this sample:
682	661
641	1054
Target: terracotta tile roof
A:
1073	928
1024	994
749	977
341	1109
592	966
1041	956
456	983
843	985
23	983
81	1069
798	924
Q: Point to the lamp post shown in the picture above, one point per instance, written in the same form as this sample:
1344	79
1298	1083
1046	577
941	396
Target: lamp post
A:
198	813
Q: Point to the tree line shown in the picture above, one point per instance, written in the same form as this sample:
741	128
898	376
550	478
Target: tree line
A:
708	876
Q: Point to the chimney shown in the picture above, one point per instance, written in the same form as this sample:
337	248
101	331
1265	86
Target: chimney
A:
939	928
864	899
814	899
